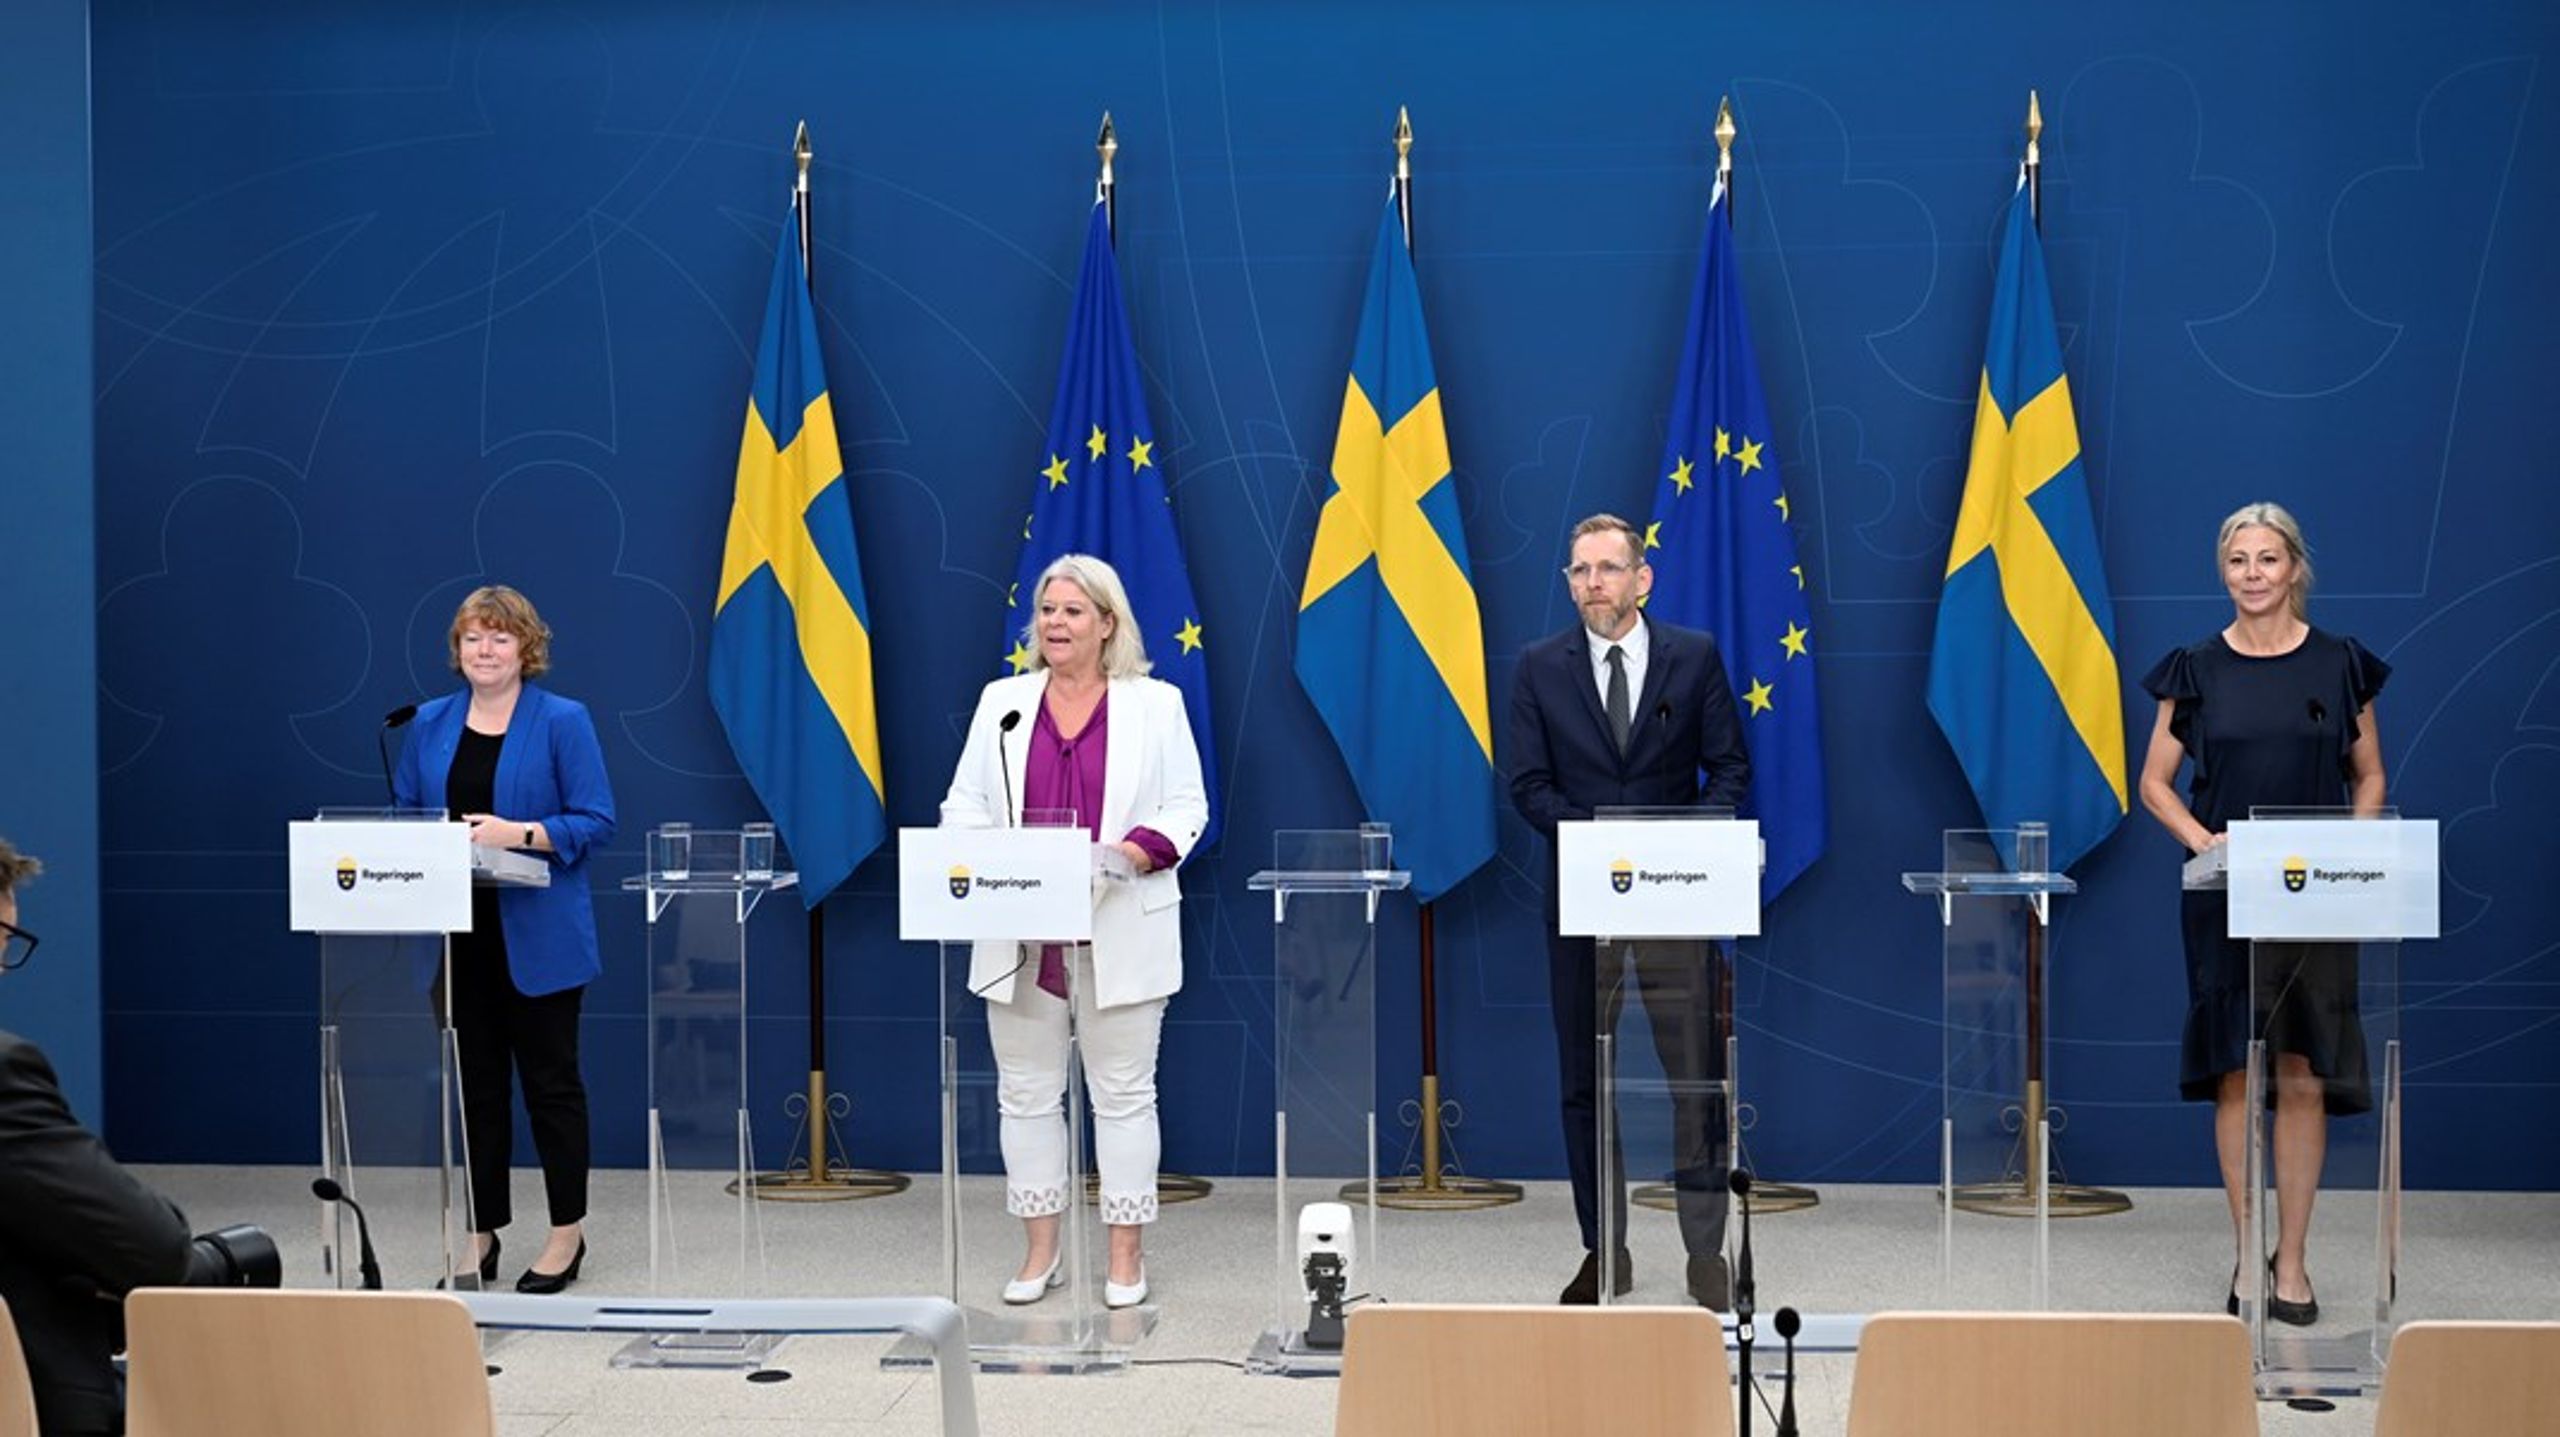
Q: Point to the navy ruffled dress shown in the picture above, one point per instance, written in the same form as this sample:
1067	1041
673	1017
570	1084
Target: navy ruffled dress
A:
2267	732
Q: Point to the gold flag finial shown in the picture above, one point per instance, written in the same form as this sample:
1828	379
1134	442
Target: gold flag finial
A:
1725	131
1107	145
2035	128
1404	144
801	152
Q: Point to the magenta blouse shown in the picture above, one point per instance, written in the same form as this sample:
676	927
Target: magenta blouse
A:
1066	773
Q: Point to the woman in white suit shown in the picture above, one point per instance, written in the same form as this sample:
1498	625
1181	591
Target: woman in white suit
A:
1033	746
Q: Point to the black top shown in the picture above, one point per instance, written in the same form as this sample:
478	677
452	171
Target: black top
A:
471	786
2267	732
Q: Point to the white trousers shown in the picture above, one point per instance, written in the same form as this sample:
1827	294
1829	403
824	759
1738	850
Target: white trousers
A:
1029	1036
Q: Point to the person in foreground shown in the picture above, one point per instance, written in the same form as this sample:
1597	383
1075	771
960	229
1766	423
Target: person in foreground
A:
1622	711
1083	730
521	766
2274	713
77	1232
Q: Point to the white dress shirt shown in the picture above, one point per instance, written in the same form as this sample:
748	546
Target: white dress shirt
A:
1639	646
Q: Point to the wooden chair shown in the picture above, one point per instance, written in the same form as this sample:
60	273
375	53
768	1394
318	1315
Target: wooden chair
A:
236	1362
2470	1378
2092	1375
1418	1370
17	1389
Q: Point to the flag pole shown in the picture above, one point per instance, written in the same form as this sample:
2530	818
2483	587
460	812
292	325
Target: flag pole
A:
1767	1197
1434	1187
821	1178
1107	188
1171	1186
2035	161
1725	131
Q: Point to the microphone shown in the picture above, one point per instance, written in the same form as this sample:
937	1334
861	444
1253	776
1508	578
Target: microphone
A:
1004	729
1789	1324
1745	1293
382	746
370	1271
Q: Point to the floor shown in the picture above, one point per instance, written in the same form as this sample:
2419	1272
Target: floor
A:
1212	1265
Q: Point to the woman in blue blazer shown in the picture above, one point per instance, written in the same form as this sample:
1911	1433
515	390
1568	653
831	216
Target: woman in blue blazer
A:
521	765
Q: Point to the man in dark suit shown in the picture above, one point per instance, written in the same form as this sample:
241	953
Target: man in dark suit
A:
1620	711
76	1230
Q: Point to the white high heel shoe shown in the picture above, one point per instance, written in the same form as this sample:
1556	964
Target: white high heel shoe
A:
1115	1295
1023	1291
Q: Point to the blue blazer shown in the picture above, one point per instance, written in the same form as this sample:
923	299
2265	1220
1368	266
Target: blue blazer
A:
550	772
1563	764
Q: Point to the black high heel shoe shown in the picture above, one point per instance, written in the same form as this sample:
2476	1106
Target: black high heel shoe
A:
2292	1314
2231	1303
544	1284
488	1267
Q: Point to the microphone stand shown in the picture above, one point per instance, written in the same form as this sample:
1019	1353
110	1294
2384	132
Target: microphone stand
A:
397	718
1789	1324
1745	1298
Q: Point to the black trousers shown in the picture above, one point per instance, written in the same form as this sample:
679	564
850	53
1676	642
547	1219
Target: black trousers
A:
505	1036
1676	982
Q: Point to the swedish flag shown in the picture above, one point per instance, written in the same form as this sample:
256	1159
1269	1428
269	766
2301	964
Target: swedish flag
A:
2022	677
1724	559
1390	640
1100	490
790	634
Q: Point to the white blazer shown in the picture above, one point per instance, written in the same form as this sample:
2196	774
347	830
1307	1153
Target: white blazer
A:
1150	779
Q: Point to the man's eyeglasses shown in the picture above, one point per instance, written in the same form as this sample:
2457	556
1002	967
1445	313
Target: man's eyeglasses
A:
17	945
1605	569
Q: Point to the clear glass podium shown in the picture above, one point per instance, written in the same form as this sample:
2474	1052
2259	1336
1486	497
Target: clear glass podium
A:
391	1132
1666	1107
706	1233
1997	1121
1324	885
2325	1024
1067	1330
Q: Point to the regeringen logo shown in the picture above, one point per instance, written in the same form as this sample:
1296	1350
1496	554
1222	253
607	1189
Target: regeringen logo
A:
963	882
2300	875
1625	876
349	873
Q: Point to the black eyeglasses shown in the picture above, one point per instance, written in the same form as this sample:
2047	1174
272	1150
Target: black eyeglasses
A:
17	945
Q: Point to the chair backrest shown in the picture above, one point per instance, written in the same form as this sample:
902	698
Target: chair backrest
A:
2089	1374
1414	1370
215	1362
2471	1378
17	1390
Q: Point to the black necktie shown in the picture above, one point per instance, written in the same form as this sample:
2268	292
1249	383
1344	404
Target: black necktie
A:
1621	709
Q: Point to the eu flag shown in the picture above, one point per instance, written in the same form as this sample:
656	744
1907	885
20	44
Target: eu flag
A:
1724	559
1101	491
2022	677
1390	640
790	633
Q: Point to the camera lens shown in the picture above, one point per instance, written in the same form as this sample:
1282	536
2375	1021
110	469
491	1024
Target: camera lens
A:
241	1255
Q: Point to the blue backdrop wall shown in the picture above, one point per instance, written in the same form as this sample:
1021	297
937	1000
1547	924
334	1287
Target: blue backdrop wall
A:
48	550
397	299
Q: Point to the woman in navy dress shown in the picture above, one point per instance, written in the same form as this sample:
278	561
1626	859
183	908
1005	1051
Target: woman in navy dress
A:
2273	713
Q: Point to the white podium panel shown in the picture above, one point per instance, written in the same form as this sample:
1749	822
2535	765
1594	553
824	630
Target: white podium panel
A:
378	876
1658	878
2333	879
959	885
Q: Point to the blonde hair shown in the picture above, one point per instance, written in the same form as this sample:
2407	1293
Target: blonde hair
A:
495	606
1608	524
1124	653
2272	517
